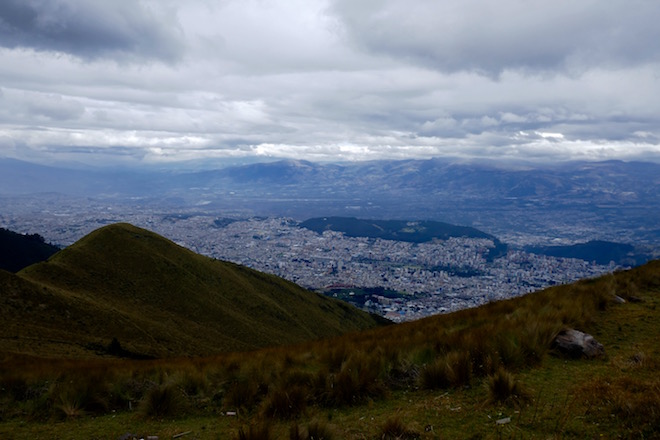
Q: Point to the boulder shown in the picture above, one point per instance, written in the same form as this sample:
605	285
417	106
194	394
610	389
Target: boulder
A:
576	344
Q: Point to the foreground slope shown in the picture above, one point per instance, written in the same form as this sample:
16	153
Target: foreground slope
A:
158	299
483	373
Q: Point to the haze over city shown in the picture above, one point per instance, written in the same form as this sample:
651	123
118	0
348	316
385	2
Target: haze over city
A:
152	82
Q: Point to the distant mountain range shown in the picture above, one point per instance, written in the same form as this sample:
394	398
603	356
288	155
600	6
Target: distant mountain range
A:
603	182
126	291
612	200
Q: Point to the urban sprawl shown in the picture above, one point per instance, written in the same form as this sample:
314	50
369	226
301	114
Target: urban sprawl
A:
434	277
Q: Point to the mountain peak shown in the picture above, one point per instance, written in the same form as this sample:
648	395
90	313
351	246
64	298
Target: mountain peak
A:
160	299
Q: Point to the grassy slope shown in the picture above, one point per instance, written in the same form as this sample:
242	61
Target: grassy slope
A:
359	383
160	299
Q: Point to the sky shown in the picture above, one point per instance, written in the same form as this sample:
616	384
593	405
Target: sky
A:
165	81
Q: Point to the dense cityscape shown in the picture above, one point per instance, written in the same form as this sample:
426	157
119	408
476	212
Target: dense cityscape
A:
422	278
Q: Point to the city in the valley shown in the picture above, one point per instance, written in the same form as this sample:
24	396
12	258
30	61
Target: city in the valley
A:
396	279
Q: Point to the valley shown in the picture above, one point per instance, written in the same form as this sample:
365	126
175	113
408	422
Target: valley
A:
432	277
193	333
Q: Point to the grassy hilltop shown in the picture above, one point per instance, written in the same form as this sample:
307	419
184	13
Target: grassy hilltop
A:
156	299
483	373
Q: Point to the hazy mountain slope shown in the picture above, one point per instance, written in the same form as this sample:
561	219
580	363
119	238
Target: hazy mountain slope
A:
160	299
18	251
415	232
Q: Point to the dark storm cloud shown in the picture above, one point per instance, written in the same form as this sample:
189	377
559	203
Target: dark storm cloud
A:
490	37
89	29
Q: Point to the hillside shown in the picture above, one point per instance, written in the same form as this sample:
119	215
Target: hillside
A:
18	251
157	299
487	372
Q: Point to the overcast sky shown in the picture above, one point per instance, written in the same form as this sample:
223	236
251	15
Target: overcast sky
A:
166	80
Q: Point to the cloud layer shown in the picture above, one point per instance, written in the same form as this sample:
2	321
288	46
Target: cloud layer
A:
329	80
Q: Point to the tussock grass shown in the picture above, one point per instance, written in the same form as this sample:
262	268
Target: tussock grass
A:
163	401
287	402
503	387
395	429
493	350
262	431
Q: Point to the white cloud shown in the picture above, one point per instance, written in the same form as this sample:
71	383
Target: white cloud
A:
331	79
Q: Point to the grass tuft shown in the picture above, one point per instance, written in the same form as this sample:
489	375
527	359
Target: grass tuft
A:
165	400
395	429
262	431
504	388
315	431
286	403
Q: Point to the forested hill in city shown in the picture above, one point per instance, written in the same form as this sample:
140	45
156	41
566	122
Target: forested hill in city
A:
400	230
125	291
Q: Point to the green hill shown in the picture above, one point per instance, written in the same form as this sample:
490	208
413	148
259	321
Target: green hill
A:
157	299
490	372
18	251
